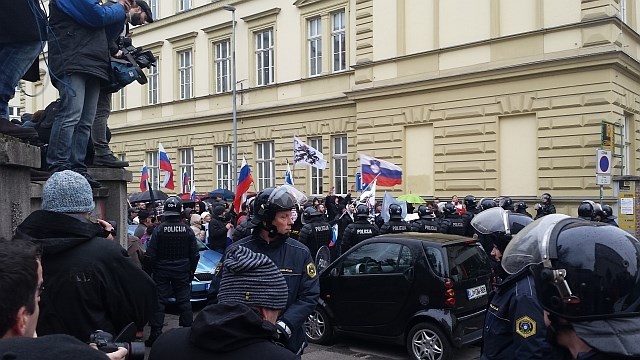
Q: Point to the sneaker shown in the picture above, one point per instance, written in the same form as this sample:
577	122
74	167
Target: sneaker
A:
152	338
11	129
109	161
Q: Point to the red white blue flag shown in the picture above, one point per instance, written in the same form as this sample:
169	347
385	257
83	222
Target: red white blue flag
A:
144	178
185	182
244	181
288	175
388	174
165	165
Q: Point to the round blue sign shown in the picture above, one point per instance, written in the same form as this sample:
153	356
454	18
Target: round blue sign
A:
604	164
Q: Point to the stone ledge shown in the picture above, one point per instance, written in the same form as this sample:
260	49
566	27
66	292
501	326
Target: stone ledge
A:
15	153
110	174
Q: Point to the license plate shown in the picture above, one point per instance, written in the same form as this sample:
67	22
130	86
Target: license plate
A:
476	292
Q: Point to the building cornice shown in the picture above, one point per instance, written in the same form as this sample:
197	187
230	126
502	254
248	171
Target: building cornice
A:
262	14
186	36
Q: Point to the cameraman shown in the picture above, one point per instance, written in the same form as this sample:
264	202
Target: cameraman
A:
545	207
20	288
139	14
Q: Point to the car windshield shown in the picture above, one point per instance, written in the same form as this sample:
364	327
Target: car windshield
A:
463	261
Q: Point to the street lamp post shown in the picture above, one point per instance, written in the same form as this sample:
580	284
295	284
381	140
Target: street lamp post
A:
234	149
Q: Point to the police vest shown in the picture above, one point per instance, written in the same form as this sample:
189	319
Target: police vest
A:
426	226
362	232
173	241
395	226
457	226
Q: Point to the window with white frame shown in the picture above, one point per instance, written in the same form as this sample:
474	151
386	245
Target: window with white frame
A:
153	83
153	5
265	164
185	69
122	157
338	41
316	174
314	39
340	164
223	167
626	144
14	112
122	94
184	5
152	167
264	57
186	165
223	66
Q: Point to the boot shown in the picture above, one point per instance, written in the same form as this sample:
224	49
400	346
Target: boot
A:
39	175
155	334
11	129
108	161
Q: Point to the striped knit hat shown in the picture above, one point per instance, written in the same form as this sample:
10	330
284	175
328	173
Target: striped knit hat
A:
252	279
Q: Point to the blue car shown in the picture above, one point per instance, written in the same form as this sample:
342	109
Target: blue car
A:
209	259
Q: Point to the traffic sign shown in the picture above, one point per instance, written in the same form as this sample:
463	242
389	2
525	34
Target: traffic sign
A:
602	179
603	161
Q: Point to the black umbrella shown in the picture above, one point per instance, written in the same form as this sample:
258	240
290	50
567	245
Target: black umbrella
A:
146	196
225	194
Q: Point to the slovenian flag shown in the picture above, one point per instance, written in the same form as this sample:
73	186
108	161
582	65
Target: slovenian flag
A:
288	176
334	235
193	191
244	181
144	178
165	165
185	182
387	174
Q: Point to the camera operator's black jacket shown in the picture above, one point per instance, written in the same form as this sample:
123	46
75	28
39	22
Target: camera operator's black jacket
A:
90	282
74	45
222	332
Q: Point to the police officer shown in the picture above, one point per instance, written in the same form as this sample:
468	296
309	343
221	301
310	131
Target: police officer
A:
173	257
521	208
587	277
545	207
472	209
607	215
359	230
426	222
245	227
588	210
487	203
514	325
453	223
506	203
316	232
395	224
272	216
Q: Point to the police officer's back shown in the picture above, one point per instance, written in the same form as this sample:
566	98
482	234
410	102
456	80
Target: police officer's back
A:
587	210
395	224
607	215
359	230
173	257
316	232
453	223
471	205
427	222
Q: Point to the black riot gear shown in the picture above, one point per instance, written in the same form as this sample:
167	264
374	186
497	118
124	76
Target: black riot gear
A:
395	211
588	210
453	223
424	212
449	209
487	203
358	231
470	202
270	201
172	206
426	224
506	203
362	211
316	232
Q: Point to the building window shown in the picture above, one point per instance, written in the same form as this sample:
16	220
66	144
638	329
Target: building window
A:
340	164
122	157
314	40
626	144
223	167
153	4
223	66
265	163
122	95
153	84
623	10
338	44
152	167
264	57
186	73
186	165
184	5
14	112
316	174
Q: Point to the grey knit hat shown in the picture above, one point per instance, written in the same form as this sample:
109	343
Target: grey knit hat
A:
67	192
252	279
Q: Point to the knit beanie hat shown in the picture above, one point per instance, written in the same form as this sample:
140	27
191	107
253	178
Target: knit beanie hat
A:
252	279
67	192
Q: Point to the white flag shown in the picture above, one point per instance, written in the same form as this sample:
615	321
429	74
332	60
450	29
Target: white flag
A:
305	154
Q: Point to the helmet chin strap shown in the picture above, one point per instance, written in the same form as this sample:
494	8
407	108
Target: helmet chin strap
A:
273	232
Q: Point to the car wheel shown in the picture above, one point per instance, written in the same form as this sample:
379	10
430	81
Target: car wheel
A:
427	342
318	327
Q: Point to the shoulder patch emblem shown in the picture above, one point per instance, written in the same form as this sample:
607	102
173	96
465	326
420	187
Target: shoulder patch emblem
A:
311	270
525	327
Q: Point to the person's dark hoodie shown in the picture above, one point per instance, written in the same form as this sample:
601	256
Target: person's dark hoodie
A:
222	332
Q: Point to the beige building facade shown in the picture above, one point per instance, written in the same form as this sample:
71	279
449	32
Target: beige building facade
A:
483	97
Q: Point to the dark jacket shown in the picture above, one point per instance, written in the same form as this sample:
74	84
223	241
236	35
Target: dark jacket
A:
91	283
243	229
77	40
50	347
467	217
298	268
394	226
453	224
217	234
222	332
426	225
315	234
544	209
173	247
22	21
357	232
514	324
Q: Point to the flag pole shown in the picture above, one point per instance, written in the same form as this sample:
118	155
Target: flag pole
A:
369	184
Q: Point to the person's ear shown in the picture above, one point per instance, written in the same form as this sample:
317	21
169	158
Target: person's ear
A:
19	328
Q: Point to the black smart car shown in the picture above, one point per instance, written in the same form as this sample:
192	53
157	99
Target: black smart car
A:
427	291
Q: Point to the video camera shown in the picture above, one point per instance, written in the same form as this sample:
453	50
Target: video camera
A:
142	58
107	344
128	69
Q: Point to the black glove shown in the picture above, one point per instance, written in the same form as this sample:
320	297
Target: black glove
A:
284	332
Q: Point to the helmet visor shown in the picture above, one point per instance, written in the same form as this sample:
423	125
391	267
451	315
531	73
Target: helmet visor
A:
491	221
282	199
530	245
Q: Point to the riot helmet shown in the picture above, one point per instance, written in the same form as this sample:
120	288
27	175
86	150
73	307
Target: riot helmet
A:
172	206
425	212
545	198
521	207
470	201
395	211
362	211
506	203
449	209
309	213
587	210
487	203
501	224
584	271
270	201
607	210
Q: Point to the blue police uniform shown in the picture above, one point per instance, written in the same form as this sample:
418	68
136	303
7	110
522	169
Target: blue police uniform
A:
514	325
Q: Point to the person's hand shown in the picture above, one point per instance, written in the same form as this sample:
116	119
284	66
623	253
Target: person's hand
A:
229	226
120	354
118	54
126	4
107	227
